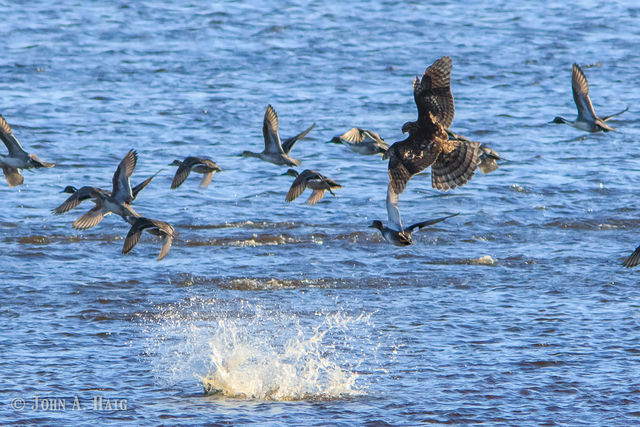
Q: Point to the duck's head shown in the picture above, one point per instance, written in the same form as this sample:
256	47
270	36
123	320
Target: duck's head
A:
376	224
247	153
69	189
558	119
291	172
336	140
175	163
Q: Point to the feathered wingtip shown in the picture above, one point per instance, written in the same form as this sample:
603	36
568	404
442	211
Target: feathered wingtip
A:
633	259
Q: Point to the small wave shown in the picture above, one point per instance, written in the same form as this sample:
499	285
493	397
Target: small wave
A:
483	260
593	224
37	239
253	241
254	283
246	224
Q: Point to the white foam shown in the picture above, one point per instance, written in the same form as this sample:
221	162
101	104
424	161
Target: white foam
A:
253	353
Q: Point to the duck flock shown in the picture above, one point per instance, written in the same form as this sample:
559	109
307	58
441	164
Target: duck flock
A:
453	158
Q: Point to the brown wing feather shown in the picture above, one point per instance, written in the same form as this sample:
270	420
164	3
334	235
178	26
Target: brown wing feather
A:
90	219
181	174
4	126
206	180
13	176
419	151
82	194
457	167
353	135
298	187
166	246
211	164
133	237
315	197
433	93
580	90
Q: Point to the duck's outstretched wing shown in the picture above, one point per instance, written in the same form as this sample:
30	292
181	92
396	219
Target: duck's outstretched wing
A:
288	143
13	176
167	241
12	143
138	188
393	212
84	193
270	131
160	228
299	185
633	259
183	171
134	234
605	118
206	180
91	218
580	89
122	192
423	224
353	136
315	197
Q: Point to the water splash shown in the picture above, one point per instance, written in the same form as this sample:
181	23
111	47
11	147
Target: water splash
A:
244	351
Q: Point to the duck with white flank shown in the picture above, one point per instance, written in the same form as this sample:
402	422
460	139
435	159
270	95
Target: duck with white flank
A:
155	227
201	165
587	119
118	201
362	141
432	94
276	152
315	181
394	233
17	158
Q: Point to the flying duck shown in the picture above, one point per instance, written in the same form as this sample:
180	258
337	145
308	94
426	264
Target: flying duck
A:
86	194
17	158
276	152
587	119
201	165
394	233
315	181
155	227
362	141
117	201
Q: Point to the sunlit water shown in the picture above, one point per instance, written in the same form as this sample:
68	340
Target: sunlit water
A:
516	311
